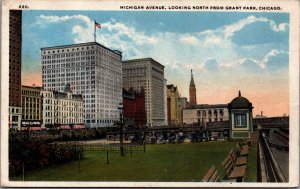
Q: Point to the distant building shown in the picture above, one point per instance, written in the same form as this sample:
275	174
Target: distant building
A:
92	70
15	48
192	91
149	74
202	113
183	103
174	106
31	107
62	109
134	112
261	115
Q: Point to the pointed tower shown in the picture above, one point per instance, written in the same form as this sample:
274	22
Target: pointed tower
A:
193	99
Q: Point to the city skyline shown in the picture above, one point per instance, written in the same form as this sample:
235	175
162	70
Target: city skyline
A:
226	55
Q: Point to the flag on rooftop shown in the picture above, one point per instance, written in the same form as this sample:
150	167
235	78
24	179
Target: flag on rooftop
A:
97	25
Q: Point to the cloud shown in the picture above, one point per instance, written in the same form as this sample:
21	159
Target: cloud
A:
211	64
57	19
205	52
189	39
269	32
230	30
283	27
273	60
276	59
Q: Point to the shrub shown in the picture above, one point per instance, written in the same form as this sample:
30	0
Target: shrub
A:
29	153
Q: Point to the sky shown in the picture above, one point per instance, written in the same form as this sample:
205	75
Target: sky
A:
228	51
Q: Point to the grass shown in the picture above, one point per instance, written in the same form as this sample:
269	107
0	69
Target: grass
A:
164	162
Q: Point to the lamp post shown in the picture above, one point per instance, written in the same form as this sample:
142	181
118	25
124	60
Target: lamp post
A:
120	108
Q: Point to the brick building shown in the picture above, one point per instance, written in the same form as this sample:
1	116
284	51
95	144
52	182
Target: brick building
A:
192	91
134	107
15	42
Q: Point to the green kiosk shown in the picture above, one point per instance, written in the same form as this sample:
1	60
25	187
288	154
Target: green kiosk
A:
240	118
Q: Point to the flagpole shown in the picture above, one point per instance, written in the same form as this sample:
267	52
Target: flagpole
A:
94	30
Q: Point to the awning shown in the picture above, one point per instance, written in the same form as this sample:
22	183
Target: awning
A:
31	128
24	128
65	127
35	128
78	127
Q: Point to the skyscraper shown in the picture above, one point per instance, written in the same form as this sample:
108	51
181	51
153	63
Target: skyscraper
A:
15	44
92	70
149	74
192	89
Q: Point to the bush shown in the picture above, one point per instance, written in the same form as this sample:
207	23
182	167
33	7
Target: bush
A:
64	152
29	153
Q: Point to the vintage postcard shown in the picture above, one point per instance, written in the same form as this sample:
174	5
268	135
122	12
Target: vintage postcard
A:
150	93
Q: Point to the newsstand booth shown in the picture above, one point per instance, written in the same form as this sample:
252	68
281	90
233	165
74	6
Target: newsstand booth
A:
240	118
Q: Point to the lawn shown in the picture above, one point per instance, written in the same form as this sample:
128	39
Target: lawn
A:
161	162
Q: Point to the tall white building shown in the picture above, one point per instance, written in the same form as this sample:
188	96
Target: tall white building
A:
149	74
61	108
165	102
92	70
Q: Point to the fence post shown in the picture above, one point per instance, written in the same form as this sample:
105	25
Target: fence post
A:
78	162
107	161
23	171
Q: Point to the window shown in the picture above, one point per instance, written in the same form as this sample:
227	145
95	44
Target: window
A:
221	113
240	120
15	118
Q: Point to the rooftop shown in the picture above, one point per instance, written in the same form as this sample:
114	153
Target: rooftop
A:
240	102
205	106
80	45
144	60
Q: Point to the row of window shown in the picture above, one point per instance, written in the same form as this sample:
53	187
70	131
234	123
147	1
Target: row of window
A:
216	119
216	113
69	74
63	121
63	55
30	93
63	114
30	117
100	50
100	121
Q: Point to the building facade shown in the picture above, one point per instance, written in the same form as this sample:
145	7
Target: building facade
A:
134	112
183	103
165	102
92	70
192	91
174	106
149	74
15	45
31	107
62	109
202	113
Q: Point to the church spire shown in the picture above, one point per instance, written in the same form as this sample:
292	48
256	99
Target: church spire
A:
192	90
192	84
